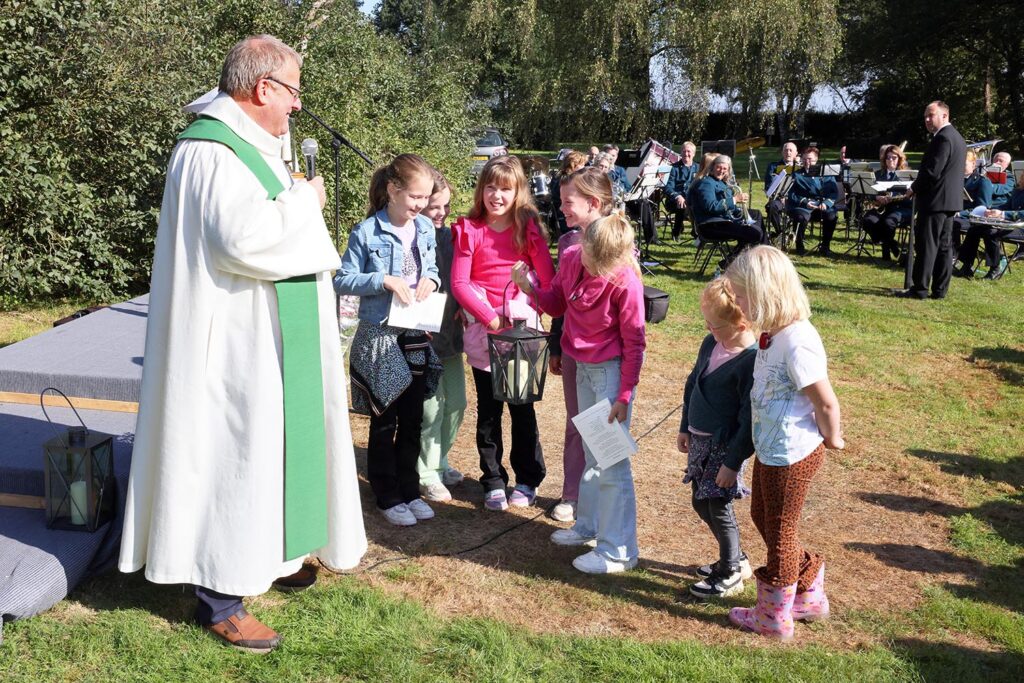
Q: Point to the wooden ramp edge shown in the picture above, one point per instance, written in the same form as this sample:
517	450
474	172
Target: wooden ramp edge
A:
77	401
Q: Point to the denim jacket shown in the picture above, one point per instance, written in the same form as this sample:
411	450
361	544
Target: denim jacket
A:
375	250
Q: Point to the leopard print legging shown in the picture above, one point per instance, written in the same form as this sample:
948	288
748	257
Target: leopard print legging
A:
777	497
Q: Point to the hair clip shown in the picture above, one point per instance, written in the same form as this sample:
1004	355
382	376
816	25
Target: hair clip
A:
765	341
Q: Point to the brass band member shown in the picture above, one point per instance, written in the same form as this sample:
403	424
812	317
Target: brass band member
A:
813	197
777	207
892	212
1001	192
992	236
684	172
715	211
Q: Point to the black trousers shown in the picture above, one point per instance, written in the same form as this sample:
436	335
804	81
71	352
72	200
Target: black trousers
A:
992	237
641	211
526	457
717	513
933	254
213	607
723	229
393	447
802	217
678	218
881	227
775	209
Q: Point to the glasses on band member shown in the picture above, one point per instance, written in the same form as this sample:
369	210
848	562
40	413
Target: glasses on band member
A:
291	88
891	156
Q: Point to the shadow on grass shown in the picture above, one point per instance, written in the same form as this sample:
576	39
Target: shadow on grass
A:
518	541
948	662
996	581
1006	363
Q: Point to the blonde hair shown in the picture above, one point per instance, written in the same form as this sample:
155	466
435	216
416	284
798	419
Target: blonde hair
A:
706	163
771	285
573	162
719	298
593	183
608	244
507	171
400	172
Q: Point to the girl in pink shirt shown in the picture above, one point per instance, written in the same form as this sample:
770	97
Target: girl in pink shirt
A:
586	196
502	228
599	292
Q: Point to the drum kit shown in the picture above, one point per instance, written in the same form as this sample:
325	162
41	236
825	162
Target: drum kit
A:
538	173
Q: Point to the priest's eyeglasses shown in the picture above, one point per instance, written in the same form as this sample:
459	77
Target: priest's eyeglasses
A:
291	88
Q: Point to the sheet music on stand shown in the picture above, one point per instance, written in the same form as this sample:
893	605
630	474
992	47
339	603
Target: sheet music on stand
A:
862	182
780	185
647	182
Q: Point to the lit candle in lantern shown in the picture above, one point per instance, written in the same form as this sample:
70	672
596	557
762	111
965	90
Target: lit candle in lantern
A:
79	506
518	375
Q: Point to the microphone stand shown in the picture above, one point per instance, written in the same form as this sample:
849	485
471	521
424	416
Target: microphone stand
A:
337	140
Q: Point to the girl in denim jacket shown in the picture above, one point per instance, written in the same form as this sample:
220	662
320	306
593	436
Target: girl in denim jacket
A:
392	254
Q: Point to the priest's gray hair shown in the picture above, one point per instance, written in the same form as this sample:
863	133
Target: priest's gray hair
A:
254	58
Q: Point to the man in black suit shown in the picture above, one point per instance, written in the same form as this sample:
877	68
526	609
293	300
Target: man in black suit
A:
939	189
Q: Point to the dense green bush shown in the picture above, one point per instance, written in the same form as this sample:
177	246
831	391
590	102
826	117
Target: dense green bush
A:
90	98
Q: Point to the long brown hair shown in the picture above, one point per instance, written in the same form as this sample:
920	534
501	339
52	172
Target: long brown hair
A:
901	165
400	171
507	171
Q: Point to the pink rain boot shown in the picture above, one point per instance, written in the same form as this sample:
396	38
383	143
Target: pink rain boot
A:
812	604
771	616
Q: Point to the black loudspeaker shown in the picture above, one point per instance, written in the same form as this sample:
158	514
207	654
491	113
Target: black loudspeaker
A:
628	158
726	147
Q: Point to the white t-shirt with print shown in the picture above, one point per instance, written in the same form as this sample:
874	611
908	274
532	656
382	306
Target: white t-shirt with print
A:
784	429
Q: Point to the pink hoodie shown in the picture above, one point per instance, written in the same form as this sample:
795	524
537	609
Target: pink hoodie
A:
604	317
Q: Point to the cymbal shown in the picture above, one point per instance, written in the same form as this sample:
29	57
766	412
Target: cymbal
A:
748	144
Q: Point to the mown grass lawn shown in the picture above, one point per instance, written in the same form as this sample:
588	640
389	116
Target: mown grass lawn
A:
933	400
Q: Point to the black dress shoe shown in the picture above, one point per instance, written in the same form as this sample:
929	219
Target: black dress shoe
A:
907	294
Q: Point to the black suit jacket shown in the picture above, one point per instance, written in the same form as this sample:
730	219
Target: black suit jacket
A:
940	181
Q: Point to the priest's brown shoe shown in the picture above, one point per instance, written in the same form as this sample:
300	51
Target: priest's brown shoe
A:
299	581
246	632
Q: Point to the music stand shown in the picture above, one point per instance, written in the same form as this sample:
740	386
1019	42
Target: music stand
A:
861	186
650	179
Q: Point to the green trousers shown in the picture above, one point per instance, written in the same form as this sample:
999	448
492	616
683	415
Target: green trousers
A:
442	416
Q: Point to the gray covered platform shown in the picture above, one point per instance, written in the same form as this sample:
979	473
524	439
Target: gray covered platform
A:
97	359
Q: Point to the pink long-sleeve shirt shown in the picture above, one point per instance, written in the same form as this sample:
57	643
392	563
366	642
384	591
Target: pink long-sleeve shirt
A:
603	316
485	257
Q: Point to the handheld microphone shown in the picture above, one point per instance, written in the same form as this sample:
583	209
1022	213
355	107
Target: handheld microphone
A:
309	149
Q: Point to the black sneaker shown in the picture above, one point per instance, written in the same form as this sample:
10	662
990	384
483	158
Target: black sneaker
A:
718	585
963	271
998	271
745	571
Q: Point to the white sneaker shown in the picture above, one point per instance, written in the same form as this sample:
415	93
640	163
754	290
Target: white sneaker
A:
570	537
420	509
746	573
436	492
451	477
592	563
564	511
399	515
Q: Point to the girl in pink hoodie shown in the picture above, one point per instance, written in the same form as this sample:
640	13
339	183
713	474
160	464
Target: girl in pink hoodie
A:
599	292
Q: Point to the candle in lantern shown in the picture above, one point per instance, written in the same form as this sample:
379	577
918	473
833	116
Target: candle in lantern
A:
518	377
78	503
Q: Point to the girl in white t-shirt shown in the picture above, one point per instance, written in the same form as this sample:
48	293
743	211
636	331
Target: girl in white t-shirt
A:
795	416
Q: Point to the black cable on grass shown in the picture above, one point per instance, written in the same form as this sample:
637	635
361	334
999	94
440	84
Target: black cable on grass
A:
489	540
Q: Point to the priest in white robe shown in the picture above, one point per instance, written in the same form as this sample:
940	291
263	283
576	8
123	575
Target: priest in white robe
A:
206	502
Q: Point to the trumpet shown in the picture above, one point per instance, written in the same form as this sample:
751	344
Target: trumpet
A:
736	191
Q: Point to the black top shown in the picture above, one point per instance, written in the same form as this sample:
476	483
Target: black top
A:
940	181
719	403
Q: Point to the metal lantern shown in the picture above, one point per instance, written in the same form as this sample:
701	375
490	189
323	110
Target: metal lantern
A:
78	472
519	363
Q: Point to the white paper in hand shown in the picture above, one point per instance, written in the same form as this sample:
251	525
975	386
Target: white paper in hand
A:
423	315
608	442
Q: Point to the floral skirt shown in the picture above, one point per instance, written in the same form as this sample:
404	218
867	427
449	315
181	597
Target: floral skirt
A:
702	463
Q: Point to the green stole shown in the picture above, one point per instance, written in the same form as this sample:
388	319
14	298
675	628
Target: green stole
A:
305	434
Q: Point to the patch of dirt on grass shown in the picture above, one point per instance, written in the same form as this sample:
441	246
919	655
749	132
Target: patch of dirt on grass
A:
878	515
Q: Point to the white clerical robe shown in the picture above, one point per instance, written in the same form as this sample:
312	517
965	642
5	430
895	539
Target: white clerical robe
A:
205	497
